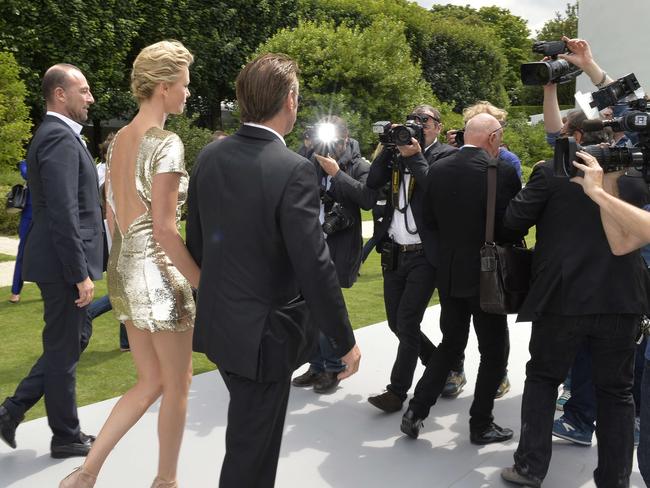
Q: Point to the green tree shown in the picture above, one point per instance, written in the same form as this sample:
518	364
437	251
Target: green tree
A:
95	35
510	31
221	34
355	73
15	125
465	65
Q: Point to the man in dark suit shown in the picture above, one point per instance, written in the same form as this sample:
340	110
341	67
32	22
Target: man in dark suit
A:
341	174
253	228
408	254
581	295
455	209
64	253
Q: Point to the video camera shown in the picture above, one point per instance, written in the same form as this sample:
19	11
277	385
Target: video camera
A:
553	71
611	159
391	135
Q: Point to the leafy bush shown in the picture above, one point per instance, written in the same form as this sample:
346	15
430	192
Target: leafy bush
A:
194	138
357	74
15	125
8	222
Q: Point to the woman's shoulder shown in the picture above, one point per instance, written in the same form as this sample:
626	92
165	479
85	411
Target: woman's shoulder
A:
163	135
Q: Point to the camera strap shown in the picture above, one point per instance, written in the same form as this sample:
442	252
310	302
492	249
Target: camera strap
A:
396	186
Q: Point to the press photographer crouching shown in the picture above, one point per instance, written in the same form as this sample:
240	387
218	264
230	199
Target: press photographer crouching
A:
407	249
341	173
580	293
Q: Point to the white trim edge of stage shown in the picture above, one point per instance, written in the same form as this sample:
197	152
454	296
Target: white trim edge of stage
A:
337	440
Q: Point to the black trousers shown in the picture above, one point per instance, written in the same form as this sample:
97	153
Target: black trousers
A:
554	342
407	291
492	332
256	414
65	336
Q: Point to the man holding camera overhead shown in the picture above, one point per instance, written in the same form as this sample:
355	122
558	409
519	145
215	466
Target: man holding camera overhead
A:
580	292
341	175
408	250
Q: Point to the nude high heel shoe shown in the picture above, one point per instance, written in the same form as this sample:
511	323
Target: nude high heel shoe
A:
158	482
78	479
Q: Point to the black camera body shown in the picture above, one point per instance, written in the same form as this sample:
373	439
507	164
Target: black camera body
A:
617	90
553	71
337	219
391	135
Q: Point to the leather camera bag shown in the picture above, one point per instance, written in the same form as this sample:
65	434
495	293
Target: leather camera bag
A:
505	269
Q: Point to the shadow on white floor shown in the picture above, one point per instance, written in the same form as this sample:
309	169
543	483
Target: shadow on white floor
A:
336	440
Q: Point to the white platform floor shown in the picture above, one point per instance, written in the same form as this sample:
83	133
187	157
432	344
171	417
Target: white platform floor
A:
337	440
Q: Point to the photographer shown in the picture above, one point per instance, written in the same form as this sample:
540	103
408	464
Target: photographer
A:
408	252
580	294
341	174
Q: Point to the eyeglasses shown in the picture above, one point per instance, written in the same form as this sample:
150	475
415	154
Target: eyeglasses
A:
424	118
502	126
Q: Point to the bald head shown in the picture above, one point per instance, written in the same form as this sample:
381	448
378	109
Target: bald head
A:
483	130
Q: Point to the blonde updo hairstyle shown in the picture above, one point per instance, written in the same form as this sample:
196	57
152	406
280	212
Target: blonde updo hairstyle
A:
161	62
484	107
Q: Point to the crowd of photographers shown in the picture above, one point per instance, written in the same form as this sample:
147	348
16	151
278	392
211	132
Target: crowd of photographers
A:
589	287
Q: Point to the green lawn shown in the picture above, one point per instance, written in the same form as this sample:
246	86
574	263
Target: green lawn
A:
105	372
6	257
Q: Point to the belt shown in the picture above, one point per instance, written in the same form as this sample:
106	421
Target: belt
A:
409	247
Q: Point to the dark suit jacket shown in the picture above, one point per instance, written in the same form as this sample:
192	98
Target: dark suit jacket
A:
66	239
253	228
574	271
348	188
418	165
455	208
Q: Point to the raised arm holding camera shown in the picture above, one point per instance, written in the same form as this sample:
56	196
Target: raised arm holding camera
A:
581	295
407	248
341	174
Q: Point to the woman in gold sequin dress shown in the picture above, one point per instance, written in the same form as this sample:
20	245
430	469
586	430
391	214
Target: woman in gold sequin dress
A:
150	271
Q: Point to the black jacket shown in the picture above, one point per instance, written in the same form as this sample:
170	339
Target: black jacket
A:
574	271
65	241
455	208
349	189
418	165
253	228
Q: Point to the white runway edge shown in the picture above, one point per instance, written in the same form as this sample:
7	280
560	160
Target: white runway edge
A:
336	440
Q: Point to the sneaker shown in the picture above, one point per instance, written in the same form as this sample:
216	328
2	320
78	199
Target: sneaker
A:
455	382
306	379
637	431
562	399
504	387
387	401
513	476
564	429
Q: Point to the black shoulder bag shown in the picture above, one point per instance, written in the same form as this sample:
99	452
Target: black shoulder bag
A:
505	270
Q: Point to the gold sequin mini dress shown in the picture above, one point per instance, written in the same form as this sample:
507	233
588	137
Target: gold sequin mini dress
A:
143	284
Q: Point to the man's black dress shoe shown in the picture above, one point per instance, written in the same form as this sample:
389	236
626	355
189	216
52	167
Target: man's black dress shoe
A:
8	427
493	433
387	401
411	424
326	382
79	448
306	379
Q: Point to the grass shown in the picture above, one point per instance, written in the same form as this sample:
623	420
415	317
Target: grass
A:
6	257
105	372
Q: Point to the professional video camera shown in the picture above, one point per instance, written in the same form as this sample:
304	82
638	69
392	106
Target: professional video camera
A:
611	159
399	135
553	71
337	217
